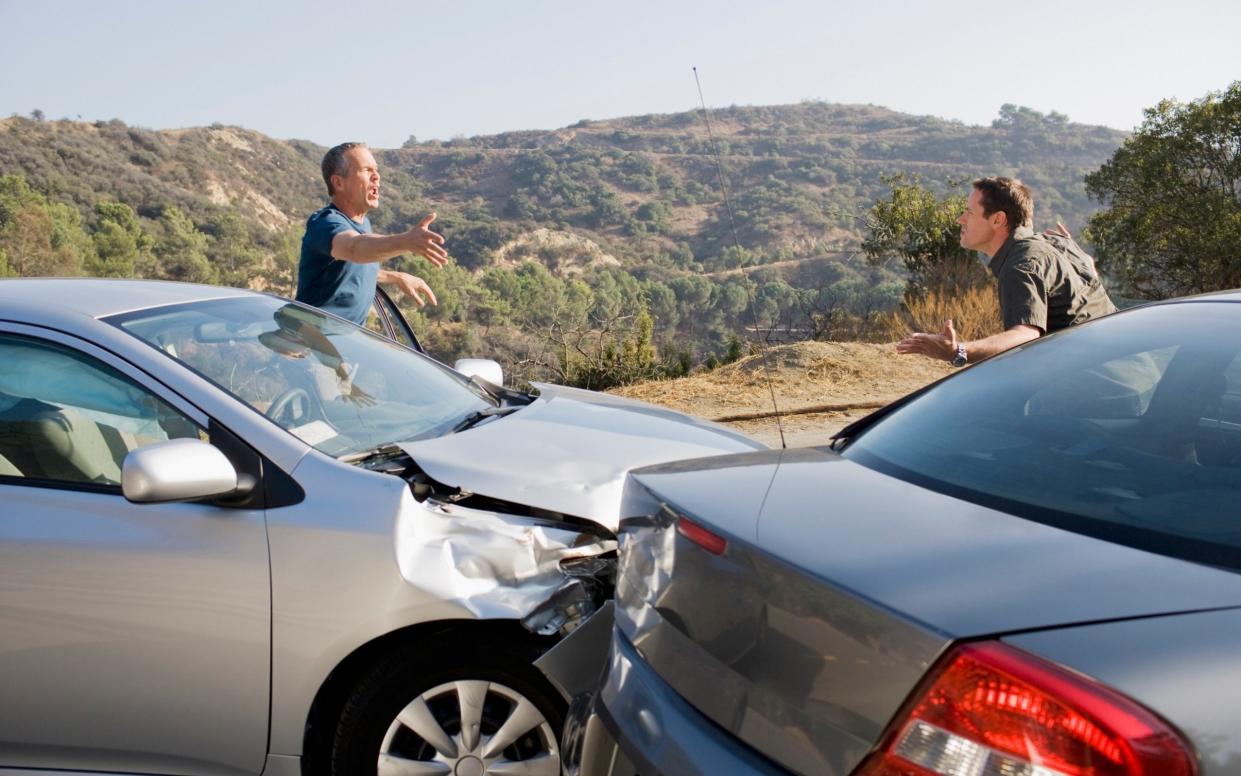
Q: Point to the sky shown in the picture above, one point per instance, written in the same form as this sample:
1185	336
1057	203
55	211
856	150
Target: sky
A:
382	70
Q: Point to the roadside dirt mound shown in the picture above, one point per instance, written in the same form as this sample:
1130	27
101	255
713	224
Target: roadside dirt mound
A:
819	386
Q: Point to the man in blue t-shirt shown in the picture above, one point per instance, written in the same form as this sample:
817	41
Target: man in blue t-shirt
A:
339	266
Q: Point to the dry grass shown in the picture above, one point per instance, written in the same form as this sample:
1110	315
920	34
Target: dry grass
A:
975	314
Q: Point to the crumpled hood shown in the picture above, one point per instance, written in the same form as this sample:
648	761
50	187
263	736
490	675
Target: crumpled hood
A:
569	451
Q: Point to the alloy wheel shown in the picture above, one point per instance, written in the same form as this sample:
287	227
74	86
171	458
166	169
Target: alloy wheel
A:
469	728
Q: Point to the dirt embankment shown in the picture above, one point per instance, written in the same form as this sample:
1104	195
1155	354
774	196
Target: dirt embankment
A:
818	386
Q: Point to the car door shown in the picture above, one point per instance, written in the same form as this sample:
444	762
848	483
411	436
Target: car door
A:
133	638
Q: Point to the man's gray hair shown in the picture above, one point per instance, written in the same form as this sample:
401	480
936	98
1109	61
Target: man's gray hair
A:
334	163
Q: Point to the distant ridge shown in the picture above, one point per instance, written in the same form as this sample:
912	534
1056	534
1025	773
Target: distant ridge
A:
639	187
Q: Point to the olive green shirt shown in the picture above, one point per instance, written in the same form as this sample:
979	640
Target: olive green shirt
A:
1049	283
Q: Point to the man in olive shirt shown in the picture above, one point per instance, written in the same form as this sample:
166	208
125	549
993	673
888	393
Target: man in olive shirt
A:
1046	281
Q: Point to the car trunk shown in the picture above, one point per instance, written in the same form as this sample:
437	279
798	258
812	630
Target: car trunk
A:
840	586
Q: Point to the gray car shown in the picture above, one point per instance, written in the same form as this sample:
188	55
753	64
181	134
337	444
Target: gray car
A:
1030	568
241	536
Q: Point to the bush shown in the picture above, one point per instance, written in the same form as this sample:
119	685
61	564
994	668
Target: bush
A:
975	314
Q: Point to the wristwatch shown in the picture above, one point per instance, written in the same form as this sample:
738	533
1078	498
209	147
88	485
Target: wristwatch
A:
960	358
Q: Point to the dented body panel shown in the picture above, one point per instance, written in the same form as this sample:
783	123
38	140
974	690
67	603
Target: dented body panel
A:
492	565
336	584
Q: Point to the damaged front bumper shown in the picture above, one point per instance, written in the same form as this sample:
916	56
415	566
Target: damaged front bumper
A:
554	578
549	575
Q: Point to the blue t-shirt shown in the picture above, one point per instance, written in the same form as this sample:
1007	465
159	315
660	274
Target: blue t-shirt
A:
345	288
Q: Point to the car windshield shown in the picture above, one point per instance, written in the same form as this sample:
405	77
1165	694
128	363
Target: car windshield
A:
1128	429
334	385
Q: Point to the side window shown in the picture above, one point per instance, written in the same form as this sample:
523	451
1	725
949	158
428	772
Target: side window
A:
67	417
375	321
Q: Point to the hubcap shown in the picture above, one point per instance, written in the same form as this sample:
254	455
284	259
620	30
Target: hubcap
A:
469	766
469	728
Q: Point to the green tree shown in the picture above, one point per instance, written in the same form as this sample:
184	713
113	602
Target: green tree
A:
231	250
920	229
661	303
121	245
617	294
1023	119
37	237
181	250
1173	194
732	297
281	278
605	209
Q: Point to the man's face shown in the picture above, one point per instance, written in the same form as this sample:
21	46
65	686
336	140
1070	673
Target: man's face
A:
979	231
358	188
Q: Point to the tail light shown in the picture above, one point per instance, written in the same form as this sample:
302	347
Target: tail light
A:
711	542
991	709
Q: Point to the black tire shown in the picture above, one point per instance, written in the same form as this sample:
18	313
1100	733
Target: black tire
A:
369	725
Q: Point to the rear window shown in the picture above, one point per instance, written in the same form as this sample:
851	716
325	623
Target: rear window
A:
1128	429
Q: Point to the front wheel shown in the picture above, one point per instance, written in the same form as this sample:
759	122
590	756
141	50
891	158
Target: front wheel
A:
419	713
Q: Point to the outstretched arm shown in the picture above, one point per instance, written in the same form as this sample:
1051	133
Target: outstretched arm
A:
943	345
370	248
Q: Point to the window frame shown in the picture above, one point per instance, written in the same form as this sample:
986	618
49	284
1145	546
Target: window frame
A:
394	323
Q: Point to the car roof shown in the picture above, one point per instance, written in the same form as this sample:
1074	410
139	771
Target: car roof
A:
1230	295
100	297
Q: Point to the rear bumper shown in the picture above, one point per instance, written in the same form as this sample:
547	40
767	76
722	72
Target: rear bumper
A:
636	724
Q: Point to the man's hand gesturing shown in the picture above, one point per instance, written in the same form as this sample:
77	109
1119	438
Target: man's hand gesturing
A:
942	345
414	287
427	244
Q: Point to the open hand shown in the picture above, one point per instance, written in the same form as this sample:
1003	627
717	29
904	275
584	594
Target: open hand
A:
427	244
942	345
414	287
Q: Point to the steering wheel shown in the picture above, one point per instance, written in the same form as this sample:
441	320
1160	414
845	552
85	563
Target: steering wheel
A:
295	399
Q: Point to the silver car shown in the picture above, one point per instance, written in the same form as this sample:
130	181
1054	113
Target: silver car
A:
241	536
1029	569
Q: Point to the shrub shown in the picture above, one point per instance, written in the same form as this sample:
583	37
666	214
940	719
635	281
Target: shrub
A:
975	313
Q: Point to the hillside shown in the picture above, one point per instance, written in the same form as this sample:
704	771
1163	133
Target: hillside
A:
799	174
621	217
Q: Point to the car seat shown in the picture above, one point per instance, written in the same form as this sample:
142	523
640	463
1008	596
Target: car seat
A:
7	469
49	442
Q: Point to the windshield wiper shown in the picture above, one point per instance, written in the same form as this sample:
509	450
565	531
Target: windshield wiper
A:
474	418
382	451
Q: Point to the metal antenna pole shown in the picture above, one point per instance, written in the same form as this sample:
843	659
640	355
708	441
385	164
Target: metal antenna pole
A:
732	225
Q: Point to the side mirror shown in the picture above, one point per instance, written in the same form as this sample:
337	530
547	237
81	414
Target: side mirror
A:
176	470
482	368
